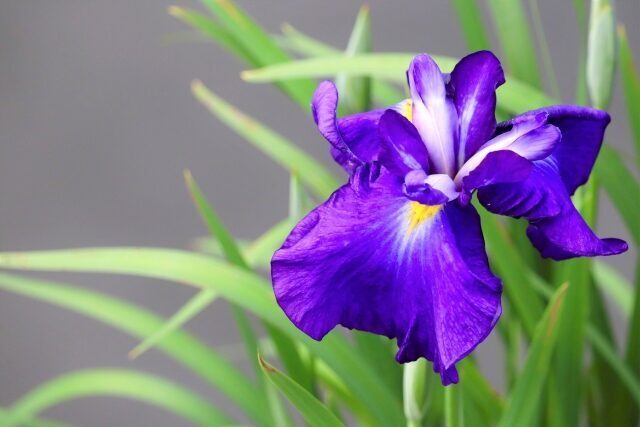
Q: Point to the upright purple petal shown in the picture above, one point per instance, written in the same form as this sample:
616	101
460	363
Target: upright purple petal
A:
434	114
370	259
582	130
556	228
354	139
473	83
402	149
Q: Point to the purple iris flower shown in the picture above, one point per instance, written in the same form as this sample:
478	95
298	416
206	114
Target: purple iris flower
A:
398	250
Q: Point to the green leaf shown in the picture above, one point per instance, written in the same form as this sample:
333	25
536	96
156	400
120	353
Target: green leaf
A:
547	62
382	92
515	96
232	254
470	20
391	66
311	409
238	286
302	44
414	391
478	390
514	33
453	406
567	381
212	30
604	349
214	223
117	383
615	286
631	87
621	186
33	422
257	253
187	312
517	284
356	91
260	46
601	54
139	322
523	401
269	142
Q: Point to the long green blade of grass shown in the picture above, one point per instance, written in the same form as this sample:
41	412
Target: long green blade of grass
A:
34	422
382	92
236	285
606	351
523	402
139	322
311	409
269	142
260	46
622	188
615	286
515	96
118	383
212	30
356	91
514	33
630	78
470	20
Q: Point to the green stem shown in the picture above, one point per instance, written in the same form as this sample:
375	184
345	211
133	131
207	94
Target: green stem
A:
452	407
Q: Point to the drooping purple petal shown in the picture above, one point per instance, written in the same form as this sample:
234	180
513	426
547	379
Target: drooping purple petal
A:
582	130
402	149
372	260
434	114
354	139
473	85
497	167
556	228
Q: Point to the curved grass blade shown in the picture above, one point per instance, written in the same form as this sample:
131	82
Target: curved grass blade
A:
236	285
391	66
311	409
621	186
118	383
514	97
523	402
260	46
269	142
212	30
615	286
33	422
356	91
514	33
139	322
630	78
605	350
382	92
470	20
187	312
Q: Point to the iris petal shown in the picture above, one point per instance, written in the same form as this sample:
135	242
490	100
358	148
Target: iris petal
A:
473	83
402	149
434	114
582	131
354	139
556	228
370	259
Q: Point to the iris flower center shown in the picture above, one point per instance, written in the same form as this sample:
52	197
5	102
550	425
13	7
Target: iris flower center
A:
419	213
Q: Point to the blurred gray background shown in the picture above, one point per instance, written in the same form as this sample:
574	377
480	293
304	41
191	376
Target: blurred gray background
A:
97	124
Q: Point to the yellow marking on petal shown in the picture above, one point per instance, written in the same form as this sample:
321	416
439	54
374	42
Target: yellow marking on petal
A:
407	110
419	213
